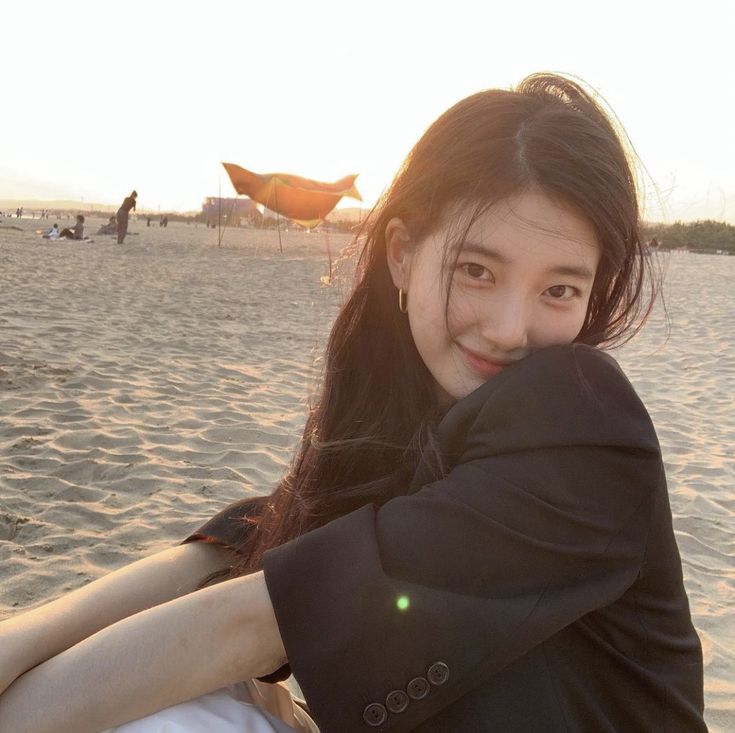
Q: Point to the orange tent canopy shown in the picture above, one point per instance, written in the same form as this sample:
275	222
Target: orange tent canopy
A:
300	199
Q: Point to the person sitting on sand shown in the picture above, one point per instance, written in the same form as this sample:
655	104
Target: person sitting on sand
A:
77	232
52	233
474	533
110	227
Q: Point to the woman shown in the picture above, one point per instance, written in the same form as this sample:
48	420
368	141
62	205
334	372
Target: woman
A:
475	531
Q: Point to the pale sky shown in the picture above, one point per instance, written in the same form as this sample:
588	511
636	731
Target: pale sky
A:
99	98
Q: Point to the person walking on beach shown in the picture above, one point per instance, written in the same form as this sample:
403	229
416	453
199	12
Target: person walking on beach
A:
122	216
474	533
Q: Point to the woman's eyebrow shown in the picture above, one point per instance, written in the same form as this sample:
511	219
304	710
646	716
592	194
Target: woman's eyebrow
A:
577	270
580	271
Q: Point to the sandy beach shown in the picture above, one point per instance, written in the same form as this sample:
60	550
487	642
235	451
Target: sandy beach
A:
145	386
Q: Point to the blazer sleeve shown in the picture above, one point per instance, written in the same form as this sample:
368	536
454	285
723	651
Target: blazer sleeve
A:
543	519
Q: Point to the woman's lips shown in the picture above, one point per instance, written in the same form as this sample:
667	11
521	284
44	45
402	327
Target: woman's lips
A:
481	366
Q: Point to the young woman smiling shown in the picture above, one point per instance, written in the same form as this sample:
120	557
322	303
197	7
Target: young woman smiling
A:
475	531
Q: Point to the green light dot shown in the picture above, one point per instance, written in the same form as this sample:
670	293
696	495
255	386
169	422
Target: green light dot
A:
402	603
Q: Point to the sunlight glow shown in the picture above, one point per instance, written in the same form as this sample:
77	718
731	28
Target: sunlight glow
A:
154	97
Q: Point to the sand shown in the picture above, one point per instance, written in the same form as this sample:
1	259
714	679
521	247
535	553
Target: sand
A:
144	387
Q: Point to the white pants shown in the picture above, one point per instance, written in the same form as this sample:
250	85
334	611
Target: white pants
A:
248	707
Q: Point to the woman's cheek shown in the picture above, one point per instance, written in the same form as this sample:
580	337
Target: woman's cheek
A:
462	312
558	328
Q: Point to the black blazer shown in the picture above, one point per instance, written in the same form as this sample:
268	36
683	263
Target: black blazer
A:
536	588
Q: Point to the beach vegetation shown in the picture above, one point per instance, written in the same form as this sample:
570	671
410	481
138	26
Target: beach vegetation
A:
706	236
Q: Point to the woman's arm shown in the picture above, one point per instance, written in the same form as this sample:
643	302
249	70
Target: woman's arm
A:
152	660
35	636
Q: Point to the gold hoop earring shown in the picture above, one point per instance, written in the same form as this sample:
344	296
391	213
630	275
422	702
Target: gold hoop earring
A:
402	301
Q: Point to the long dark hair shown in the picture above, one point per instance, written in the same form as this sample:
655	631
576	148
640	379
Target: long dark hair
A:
375	413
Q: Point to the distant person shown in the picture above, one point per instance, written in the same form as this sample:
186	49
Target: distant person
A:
52	233
148	221
110	227
76	232
122	216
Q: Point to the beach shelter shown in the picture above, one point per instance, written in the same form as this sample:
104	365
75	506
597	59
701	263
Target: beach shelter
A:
305	201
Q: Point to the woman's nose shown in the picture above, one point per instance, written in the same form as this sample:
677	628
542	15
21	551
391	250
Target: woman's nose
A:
506	326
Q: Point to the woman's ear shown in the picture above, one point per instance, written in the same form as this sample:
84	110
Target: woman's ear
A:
398	250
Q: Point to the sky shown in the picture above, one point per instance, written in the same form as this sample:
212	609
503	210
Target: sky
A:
100	98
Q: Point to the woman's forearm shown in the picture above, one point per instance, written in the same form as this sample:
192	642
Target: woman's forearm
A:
30	638
157	658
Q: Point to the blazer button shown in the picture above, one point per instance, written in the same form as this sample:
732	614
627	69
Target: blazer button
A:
438	673
418	688
374	714
397	701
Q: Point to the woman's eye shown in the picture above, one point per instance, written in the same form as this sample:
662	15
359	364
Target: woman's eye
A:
562	292
475	271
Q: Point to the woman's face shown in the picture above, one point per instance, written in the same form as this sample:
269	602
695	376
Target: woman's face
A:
522	282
